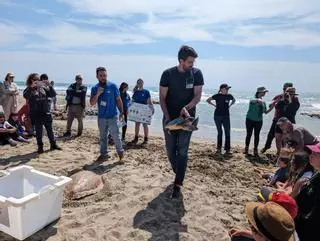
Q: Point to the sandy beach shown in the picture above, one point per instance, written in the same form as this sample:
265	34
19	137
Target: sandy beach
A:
135	203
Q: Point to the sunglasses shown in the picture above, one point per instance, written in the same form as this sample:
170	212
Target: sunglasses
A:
78	78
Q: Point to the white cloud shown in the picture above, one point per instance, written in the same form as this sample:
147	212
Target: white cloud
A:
43	11
11	33
190	20
242	75
65	35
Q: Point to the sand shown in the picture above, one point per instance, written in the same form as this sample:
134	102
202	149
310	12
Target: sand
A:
135	203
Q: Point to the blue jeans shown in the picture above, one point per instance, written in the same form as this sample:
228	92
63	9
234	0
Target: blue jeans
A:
177	145
225	122
105	125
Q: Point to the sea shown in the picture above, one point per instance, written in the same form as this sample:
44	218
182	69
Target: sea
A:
310	102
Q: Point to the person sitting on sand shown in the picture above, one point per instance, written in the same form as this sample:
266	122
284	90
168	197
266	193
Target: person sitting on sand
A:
21	131
301	171
282	199
141	96
308	200
76	104
254	119
296	136
7	132
223	101
107	96
37	93
25	120
180	92
268	222
281	175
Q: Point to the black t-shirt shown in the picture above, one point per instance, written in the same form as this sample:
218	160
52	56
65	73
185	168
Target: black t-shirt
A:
180	89
308	219
222	104
287	109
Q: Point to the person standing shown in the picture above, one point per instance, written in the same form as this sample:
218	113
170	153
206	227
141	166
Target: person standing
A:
10	93
107	96
254	119
125	98
37	93
222	115
76	103
53	100
141	96
274	131
180	92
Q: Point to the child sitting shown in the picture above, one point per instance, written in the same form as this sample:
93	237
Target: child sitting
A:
21	133
7	132
282	174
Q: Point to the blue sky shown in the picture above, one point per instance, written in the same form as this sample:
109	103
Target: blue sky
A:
245	43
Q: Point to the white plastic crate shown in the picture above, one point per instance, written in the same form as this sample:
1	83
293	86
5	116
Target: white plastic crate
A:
29	200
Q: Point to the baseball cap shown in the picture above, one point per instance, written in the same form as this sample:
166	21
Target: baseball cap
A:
262	90
224	86
314	148
287	84
2	114
281	198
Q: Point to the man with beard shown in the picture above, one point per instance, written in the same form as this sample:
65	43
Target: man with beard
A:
107	96
180	92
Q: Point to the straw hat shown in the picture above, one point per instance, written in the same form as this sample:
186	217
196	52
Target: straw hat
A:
271	220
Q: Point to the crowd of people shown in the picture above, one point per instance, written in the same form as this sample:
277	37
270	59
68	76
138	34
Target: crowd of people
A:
296	182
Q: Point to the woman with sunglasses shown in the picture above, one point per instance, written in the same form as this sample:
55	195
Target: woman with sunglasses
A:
37	93
223	101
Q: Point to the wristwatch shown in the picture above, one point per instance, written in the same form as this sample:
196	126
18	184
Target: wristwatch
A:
187	107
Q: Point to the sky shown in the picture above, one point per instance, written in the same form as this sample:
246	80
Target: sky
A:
245	43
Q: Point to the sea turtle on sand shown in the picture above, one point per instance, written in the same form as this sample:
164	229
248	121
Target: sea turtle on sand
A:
181	123
84	183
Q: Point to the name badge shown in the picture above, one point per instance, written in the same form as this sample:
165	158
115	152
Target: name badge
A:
103	103
189	86
190	81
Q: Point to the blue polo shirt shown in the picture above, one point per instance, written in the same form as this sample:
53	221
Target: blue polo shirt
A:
107	104
141	96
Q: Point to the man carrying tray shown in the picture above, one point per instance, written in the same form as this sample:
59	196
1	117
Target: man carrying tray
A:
180	92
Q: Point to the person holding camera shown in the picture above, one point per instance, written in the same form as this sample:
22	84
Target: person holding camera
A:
37	93
286	105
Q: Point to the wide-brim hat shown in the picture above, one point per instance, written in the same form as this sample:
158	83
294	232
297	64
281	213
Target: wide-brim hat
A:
271	220
262	90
